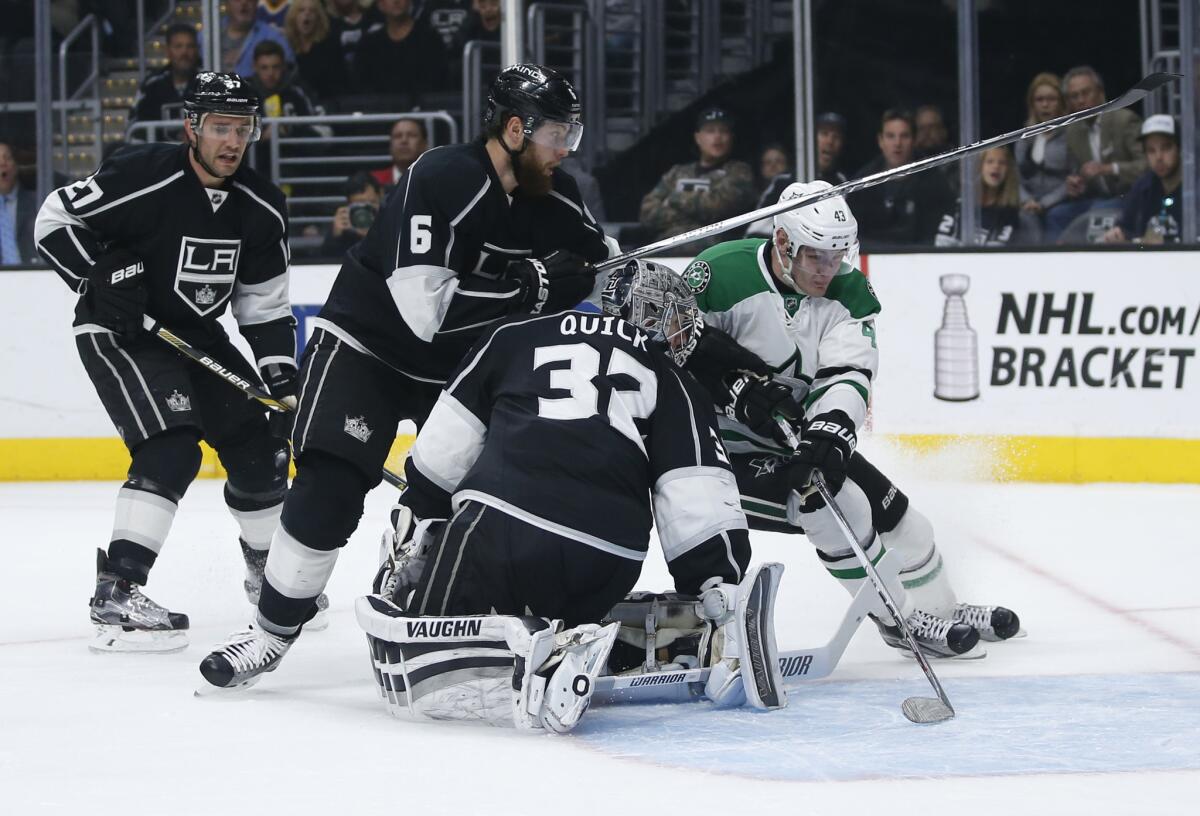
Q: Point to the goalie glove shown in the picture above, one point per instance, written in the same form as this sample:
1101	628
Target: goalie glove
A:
827	444
403	551
718	357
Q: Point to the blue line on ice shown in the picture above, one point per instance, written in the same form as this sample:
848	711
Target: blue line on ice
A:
854	730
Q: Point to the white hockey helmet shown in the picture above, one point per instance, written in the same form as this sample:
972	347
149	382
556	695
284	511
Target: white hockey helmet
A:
827	225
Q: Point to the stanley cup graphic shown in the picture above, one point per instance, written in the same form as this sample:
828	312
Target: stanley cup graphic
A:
955	346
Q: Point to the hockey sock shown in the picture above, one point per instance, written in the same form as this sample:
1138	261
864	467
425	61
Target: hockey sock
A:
837	557
162	469
257	514
295	575
922	571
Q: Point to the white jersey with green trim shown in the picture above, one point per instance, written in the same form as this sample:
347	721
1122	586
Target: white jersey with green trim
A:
828	343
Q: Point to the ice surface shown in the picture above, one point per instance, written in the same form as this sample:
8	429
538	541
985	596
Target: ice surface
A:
1097	711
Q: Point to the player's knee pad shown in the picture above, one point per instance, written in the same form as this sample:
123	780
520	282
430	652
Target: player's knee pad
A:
325	502
922	570
888	502
257	468
166	464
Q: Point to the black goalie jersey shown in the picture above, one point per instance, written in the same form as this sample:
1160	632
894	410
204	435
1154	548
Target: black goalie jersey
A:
202	248
429	277
577	424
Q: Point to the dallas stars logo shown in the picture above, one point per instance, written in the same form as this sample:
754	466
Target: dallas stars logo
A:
765	465
697	276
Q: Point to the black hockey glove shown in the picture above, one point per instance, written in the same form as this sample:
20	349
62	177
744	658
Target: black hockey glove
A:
759	403
559	281
826	445
282	381
717	359
116	293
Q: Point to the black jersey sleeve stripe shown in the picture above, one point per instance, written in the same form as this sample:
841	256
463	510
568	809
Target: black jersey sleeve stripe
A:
584	213
834	371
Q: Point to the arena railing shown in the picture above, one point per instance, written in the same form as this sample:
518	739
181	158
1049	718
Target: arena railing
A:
91	82
300	161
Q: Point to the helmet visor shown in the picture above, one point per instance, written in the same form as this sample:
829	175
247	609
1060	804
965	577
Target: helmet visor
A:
815	259
558	135
246	128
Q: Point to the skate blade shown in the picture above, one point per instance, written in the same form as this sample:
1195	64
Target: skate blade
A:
976	652
1020	634
211	692
112	638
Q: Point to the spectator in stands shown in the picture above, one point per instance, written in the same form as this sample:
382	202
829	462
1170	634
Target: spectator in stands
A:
241	33
404	56
483	23
349	21
280	98
161	95
272	12
931	137
18	211
1042	161
446	18
772	162
999	197
1151	209
1104	151
831	138
904	212
352	220
702	192
409	140
319	59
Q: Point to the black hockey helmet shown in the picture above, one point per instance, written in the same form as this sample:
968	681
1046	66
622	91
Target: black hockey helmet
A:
658	301
226	94
536	94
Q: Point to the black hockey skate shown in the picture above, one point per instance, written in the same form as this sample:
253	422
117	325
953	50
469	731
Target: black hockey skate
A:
994	623
241	660
256	564
127	621
937	637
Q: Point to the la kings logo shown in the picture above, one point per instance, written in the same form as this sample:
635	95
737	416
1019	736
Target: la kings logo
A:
206	272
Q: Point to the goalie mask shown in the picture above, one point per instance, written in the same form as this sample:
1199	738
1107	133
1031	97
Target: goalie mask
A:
657	301
817	236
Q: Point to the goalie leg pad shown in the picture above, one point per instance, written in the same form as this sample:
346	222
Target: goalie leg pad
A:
480	668
581	654
745	654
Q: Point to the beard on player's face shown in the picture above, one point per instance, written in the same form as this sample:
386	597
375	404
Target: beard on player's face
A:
533	175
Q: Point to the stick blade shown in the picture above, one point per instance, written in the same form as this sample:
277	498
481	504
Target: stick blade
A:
926	710
1152	82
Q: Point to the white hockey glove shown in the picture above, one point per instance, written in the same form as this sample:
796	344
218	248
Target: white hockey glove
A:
745	659
403	551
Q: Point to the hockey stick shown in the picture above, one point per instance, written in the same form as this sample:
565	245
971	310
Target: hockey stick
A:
916	709
241	383
680	686
1140	91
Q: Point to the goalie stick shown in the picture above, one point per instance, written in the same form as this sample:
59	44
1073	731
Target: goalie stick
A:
1140	91
241	383
794	664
